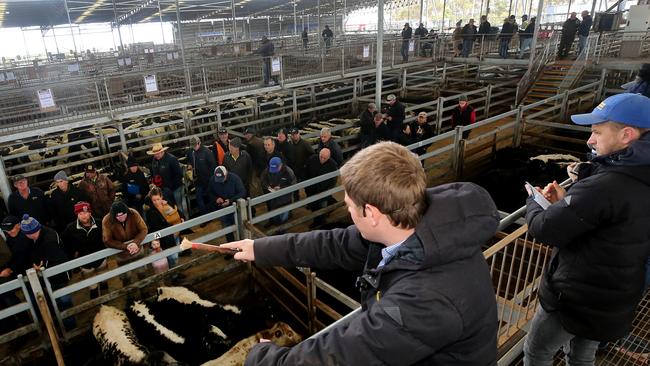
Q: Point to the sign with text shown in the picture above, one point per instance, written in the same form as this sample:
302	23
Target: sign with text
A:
150	84
276	65
46	100
365	54
412	45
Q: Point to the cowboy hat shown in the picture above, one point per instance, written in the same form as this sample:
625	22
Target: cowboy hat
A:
156	148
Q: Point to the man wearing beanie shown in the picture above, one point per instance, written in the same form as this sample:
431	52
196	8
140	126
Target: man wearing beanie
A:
19	245
238	161
123	228
62	201
47	252
83	236
225	188
134	185
598	229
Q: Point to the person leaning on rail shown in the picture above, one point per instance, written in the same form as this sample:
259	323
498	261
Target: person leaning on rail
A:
427	296
598	229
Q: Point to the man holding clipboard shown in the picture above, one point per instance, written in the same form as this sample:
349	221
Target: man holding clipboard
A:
598	229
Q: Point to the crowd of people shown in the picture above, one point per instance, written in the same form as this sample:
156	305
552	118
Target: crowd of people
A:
398	241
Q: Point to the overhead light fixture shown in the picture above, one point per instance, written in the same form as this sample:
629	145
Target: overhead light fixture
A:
89	11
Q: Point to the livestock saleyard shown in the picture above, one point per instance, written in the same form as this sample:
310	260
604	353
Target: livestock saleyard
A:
298	297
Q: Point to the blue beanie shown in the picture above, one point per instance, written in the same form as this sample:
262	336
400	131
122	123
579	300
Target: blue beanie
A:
29	225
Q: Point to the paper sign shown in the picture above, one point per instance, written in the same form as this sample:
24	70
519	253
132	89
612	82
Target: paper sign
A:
150	84
45	99
366	51
2	77
169	56
73	68
236	48
146	50
157	235
127	61
10	75
411	45
120	62
175	55
116	54
276	64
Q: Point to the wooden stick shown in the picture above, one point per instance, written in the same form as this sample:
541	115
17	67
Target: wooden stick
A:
187	244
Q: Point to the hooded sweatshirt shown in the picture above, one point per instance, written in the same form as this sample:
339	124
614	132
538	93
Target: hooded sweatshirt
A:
600	238
432	304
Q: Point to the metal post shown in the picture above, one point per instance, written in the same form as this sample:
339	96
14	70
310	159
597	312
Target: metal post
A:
334	5
234	21
41	301
5	187
533	44
568	9
319	30
120	129
162	30
67	11
380	50
488	100
343	16
421	10
294	105
593	8
510	8
119	33
439	111
444	9
268	26
188	85
295	20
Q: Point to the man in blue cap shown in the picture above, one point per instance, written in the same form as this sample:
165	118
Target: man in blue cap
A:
274	178
223	190
598	229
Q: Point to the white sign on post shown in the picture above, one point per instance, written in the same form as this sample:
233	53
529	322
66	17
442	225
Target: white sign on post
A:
2	77
170	56
276	64
411	45
127	61
120	62
73	68
46	99
150	84
366	52
175	55
236	49
11	75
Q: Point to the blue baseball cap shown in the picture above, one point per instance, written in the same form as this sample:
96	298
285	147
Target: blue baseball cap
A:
626	108
274	164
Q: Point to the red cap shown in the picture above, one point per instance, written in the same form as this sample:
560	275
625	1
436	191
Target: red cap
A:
82	207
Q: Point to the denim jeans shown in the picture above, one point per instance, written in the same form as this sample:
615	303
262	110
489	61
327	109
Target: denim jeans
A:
525	44
266	71
582	43
467	47
405	51
181	203
503	47
547	335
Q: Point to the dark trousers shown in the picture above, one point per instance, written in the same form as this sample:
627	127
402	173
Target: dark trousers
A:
405	50
504	43
226	221
565	46
467	47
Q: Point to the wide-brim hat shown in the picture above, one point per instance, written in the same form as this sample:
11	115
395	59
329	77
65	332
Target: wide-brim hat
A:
156	148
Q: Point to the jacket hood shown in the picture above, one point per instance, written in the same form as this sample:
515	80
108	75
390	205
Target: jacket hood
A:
633	161
460	218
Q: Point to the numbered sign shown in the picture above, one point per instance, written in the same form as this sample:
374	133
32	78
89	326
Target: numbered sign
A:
276	65
46	100
412	45
366	52
150	84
